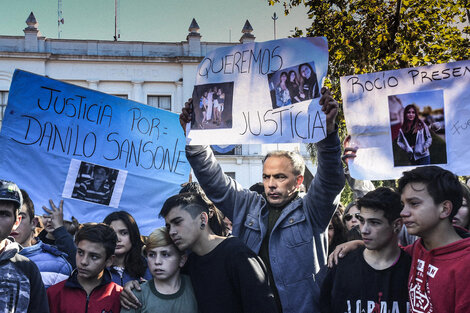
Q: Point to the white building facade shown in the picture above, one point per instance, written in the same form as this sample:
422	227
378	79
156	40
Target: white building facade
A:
160	74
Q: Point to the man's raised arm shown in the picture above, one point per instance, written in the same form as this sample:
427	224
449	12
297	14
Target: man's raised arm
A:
329	179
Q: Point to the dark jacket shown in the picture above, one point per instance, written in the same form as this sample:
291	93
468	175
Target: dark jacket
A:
21	286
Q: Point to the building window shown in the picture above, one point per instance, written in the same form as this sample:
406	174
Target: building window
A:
3	104
230	174
122	96
161	102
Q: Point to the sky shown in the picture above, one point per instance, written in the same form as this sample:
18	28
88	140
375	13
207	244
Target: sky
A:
432	98
152	20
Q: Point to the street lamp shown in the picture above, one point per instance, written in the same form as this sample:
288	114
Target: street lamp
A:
274	17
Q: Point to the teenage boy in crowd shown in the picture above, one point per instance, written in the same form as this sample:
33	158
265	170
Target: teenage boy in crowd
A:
226	275
440	269
89	288
21	286
439	273
288	232
51	262
168	291
374	278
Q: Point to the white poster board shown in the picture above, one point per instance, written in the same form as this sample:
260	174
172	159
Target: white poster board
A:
409	117
260	93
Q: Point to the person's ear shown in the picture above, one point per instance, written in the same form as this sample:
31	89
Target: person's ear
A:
299	180
183	259
204	220
204	217
446	209
34	223
397	225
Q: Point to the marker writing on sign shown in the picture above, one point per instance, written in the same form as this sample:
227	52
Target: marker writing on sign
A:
358	85
274	123
457	127
145	154
263	61
424	76
75	107
70	140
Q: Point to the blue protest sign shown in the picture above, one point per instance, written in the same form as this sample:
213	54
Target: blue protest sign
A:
101	153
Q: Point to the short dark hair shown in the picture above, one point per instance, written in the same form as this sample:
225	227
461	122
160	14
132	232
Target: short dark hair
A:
441	185
99	233
216	217
28	203
191	187
383	199
191	202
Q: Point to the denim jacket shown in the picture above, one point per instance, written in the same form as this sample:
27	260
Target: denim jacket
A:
298	244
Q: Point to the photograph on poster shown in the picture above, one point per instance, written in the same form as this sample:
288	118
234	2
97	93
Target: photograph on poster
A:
94	183
293	84
417	127
212	106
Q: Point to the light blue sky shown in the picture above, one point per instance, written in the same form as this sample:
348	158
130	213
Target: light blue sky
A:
151	20
432	98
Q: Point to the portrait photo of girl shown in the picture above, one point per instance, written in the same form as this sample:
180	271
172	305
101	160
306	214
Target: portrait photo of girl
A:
414	137
418	128
293	86
308	81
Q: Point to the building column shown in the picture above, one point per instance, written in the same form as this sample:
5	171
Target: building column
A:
247	33
194	39
31	34
178	103
137	91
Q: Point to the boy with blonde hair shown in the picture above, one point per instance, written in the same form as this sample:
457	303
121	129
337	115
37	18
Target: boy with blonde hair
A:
168	291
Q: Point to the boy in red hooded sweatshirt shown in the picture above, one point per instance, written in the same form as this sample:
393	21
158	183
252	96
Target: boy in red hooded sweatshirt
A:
440	268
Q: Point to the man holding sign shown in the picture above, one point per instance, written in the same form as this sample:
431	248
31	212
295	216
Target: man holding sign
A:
288	232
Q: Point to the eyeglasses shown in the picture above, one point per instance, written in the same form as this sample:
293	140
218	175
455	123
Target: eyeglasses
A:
349	217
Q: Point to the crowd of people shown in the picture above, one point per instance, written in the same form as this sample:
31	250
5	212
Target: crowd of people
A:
392	250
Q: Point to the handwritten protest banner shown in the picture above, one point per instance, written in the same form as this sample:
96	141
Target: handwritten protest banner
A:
260	93
100	152
410	117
